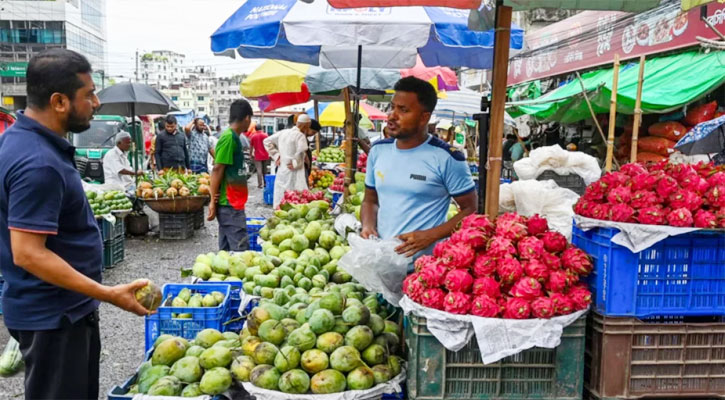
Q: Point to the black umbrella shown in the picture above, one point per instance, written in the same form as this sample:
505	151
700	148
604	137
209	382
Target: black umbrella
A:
130	99
704	138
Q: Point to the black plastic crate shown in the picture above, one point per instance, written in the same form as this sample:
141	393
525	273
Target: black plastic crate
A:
176	226
114	252
110	231
572	182
199	219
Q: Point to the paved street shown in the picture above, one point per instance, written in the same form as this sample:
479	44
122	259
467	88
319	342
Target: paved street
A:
122	334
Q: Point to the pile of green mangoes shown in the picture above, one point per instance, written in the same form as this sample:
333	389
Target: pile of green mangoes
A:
332	155
187	298
188	369
326	342
107	202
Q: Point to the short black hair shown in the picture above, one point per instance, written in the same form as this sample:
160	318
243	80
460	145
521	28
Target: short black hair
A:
54	71
239	110
315	126
426	93
170	119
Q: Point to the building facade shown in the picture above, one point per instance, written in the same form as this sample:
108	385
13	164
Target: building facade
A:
30	26
162	68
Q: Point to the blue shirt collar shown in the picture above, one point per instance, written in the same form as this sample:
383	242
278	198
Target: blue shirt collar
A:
29	124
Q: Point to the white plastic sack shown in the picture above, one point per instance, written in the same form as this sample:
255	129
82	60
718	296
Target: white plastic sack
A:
545	198
561	161
392	386
375	264
635	237
346	223
496	337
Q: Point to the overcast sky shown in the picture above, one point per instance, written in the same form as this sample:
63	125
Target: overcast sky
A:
183	26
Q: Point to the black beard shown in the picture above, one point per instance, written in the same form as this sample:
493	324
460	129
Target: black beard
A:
77	123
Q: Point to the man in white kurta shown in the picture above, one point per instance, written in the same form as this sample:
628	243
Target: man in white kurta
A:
287	149
117	169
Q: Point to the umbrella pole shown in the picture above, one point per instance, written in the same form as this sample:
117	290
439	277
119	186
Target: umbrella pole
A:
317	136
637	111
349	132
135	145
612	115
498	105
353	150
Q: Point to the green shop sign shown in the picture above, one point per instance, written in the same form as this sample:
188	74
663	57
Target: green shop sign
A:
13	69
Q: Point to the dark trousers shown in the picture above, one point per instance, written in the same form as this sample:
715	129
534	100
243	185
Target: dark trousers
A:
233	234
62	363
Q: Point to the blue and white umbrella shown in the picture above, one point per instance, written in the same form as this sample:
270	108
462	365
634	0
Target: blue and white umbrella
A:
705	138
318	34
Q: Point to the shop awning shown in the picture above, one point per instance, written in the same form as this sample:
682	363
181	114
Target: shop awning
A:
670	82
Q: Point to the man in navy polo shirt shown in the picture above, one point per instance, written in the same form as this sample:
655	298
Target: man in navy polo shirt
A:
50	245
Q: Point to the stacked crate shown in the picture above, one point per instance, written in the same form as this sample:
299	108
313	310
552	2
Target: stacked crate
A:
114	241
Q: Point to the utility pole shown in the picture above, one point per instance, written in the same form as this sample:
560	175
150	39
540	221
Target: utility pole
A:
136	65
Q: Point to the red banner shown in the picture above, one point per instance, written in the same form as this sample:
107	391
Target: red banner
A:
592	38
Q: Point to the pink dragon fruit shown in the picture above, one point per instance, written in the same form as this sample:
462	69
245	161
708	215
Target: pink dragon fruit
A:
683	198
680	217
536	225
553	262
479	221
457	303
621	213
542	307
517	308
530	247
527	288
705	219
643	182
620	194
554	242
432	275
653	215
458	280
458	255
433	298
633	169
666	186
614	179
484	306
717	179
562	304
601	211
509	270
580	298
690	180
413	287
488	286
595	192
577	261
702	187
536	269
500	247
584	207
644	198
704	169
484	265
511	226
472	237
441	247
422	261
558	282
715	196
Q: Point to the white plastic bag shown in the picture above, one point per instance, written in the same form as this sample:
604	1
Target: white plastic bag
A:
375	264
540	197
561	161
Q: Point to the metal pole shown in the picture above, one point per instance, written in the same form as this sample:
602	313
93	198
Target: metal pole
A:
482	119
136	65
353	158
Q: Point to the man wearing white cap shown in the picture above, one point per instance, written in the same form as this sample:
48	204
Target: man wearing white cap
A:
116	167
287	149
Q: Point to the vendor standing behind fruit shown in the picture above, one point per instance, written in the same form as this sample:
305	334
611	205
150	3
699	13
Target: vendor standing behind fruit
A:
412	176
171	149
50	247
229	177
116	167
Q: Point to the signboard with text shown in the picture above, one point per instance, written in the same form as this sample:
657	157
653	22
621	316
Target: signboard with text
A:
592	38
13	69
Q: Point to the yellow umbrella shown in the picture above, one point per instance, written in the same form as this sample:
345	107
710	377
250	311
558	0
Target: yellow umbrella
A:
689	4
334	115
275	76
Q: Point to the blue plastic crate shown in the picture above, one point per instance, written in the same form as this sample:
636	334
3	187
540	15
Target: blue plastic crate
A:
2	282
269	189
201	318
240	319
111	231
253	232
683	275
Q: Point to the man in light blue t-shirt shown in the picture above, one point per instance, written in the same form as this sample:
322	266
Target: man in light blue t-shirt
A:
412	176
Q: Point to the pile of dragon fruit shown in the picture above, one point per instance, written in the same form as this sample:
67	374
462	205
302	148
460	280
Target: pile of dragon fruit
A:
681	195
513	267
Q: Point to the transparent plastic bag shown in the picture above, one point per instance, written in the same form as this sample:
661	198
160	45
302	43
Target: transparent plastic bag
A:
375	264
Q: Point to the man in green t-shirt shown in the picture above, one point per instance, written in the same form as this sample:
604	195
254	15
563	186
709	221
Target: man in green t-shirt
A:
229	180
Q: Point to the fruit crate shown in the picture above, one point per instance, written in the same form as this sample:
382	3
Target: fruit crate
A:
435	373
572	182
254	225
683	275
199	219
201	318
176	226
110	231
673	357
269	189
114	251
